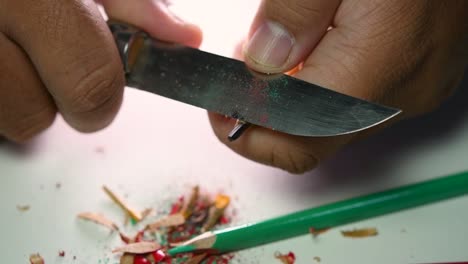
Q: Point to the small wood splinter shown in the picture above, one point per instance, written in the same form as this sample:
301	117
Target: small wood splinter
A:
238	130
134	214
359	233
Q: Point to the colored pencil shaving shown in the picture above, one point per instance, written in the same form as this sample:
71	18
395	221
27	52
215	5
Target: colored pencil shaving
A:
98	219
167	221
189	206
359	233
316	232
36	259
127	258
289	258
184	221
134	214
23	208
216	211
138	248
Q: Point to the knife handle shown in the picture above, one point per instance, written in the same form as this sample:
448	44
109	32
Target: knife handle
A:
129	41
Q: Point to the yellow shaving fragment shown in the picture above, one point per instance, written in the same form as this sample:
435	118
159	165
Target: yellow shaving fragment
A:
216	211
222	201
359	233
188	207
135	214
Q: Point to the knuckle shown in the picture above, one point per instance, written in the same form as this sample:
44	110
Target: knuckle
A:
31	125
96	89
295	14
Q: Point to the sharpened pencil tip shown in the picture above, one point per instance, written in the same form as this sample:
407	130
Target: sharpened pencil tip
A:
181	249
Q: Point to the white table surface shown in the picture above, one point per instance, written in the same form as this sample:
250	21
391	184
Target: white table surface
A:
157	148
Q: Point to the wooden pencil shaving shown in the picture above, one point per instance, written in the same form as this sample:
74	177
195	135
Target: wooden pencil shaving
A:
134	214
98	219
23	208
196	259
36	259
216	211
187	210
138	248
127	259
145	213
167	221
360	233
316	232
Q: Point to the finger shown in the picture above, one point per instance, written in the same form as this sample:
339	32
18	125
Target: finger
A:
75	55
25	106
284	32
292	153
367	55
155	18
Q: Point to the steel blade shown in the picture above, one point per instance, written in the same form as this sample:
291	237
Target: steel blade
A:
228	87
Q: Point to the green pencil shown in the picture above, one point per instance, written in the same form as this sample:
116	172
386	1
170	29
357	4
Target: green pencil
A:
327	216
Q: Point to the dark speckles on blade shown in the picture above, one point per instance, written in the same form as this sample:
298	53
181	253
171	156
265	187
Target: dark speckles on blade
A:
228	87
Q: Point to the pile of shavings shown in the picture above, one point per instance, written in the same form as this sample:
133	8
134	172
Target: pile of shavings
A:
189	217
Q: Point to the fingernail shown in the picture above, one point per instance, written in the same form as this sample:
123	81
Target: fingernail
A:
270	45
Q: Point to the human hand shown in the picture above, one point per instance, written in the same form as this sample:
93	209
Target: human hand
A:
406	54
60	56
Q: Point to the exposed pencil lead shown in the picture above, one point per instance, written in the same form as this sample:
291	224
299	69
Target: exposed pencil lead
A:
238	130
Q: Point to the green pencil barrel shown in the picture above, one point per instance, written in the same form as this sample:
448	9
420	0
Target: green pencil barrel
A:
342	212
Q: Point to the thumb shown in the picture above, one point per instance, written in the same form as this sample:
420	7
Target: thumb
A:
284	32
155	18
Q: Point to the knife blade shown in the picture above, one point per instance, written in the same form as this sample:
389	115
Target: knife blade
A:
228	87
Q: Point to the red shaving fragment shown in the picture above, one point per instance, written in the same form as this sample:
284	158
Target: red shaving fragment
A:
175	208
140	260
224	220
158	255
289	258
139	236
61	253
